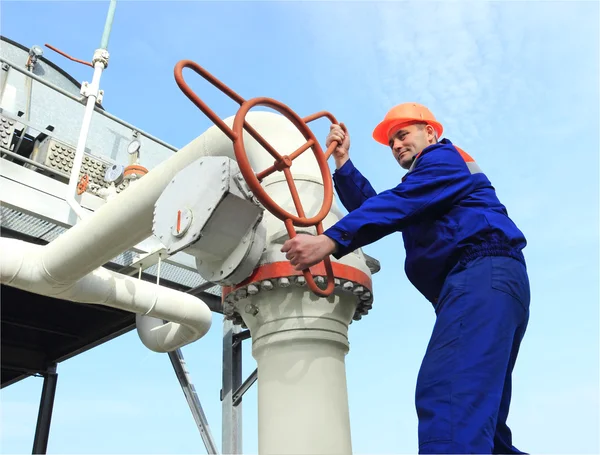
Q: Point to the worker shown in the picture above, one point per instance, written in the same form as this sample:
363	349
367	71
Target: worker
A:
463	253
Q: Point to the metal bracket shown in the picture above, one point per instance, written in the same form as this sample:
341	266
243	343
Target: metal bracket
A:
146	261
87	89
239	393
239	337
373	264
201	288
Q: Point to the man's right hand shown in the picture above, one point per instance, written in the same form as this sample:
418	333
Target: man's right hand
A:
339	133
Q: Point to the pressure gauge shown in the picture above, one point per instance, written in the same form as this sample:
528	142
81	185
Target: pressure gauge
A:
134	147
114	174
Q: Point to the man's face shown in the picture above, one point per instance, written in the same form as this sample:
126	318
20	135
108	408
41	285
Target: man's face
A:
409	141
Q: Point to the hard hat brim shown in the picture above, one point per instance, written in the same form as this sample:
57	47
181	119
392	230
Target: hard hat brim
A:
380	133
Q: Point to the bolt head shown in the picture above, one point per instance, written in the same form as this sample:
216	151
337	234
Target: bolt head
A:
266	285
358	290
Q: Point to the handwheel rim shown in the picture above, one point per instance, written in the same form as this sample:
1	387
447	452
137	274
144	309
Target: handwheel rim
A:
251	177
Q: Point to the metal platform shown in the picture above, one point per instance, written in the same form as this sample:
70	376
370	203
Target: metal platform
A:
38	332
40	110
33	337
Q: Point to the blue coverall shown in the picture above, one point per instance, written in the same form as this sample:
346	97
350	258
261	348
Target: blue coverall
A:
463	253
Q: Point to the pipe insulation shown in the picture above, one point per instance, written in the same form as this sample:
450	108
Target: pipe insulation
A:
300	345
190	318
125	220
66	266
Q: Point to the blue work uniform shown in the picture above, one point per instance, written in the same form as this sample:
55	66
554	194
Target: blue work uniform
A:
464	254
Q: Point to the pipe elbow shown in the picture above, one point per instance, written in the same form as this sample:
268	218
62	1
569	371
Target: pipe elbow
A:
192	323
159	336
190	319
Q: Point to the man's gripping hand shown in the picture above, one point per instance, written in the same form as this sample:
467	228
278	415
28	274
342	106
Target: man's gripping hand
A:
341	154
304	251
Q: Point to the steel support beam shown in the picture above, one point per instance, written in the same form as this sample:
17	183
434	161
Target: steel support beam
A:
42	429
232	380
191	396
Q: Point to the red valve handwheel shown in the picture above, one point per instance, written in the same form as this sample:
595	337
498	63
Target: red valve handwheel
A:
282	162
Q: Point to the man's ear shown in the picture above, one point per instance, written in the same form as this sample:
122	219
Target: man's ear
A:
430	133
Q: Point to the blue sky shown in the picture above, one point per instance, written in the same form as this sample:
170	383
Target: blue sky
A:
516	85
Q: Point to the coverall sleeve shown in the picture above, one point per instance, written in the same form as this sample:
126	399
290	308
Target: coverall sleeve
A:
351	186
439	178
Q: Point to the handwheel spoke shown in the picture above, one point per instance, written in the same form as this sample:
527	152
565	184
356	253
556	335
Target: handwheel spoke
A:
289	225
302	149
268	171
262	141
294	191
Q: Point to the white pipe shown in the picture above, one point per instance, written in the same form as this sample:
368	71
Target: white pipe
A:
126	220
93	89
118	225
190	317
153	332
123	221
299	343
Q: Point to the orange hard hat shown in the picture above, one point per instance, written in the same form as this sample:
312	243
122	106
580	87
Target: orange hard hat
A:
403	115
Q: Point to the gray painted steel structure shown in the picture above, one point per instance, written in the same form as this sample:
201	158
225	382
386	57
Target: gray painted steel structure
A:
46	102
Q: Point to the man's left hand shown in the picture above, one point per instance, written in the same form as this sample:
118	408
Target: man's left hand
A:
304	251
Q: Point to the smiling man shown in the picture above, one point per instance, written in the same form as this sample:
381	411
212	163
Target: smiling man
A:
463	253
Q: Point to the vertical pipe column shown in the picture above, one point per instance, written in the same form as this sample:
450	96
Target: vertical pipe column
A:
42	429
300	342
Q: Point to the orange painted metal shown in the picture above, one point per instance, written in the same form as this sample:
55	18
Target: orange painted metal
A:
332	119
282	162
135	169
64	54
284	269
83	184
